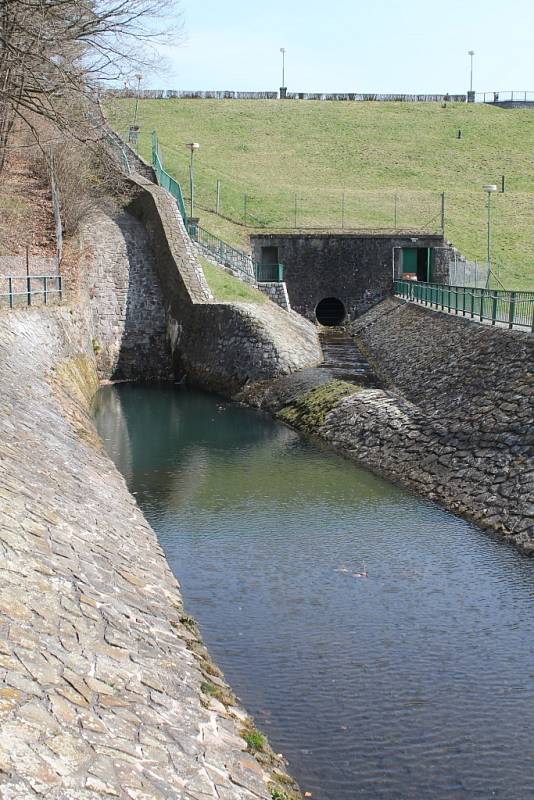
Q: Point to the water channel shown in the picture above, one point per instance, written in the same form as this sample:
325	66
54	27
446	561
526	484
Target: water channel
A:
413	682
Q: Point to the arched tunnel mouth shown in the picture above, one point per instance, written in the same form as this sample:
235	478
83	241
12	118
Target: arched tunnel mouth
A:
330	312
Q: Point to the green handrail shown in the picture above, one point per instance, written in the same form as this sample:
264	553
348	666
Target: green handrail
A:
509	309
166	180
222	251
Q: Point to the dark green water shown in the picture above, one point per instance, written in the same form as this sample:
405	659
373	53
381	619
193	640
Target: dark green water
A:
414	682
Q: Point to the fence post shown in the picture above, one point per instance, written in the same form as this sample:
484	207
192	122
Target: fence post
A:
28	279
44	289
10	290
511	316
494	310
60	287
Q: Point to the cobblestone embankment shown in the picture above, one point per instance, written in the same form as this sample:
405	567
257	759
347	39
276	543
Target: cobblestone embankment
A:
455	421
105	690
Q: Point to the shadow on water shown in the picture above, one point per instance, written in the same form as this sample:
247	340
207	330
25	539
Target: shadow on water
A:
415	682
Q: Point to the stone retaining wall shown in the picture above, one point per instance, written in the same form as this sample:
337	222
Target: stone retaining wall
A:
277	292
105	689
454	421
219	346
128	324
468	390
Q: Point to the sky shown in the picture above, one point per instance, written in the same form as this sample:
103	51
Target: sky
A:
414	46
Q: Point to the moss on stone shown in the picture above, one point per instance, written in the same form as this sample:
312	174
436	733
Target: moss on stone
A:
75	383
220	693
309	411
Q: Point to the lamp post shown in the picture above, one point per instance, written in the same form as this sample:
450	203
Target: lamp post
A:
133	132
490	188
139	79
193	146
471	54
471	94
283	86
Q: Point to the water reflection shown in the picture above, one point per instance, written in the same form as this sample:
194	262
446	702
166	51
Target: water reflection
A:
415	682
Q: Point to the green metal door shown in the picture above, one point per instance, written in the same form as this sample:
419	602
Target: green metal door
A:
429	265
409	259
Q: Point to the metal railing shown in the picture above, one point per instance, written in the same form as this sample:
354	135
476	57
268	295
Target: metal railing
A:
514	96
503	308
166	180
270	273
224	252
228	255
17	290
236	259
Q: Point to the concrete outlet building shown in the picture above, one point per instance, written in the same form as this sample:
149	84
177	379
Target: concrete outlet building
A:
333	277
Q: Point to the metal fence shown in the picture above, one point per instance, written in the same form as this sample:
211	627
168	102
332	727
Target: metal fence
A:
236	259
223	252
270	273
273	208
166	180
472	274
361	97
503	308
29	290
509	96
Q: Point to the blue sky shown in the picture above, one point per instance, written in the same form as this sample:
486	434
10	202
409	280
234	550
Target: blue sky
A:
380	46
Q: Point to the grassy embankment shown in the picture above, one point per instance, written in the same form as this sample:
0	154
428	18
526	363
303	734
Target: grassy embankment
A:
370	152
228	289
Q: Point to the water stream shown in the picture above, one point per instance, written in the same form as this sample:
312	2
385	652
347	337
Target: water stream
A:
414	682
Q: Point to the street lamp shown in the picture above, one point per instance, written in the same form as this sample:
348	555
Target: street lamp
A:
133	133
193	146
139	79
471	54
490	188
283	87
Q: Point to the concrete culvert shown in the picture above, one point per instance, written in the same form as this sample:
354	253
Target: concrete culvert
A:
330	312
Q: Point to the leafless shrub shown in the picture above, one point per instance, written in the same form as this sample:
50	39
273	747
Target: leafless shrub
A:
55	53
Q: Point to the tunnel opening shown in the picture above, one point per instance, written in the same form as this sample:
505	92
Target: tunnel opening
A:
330	312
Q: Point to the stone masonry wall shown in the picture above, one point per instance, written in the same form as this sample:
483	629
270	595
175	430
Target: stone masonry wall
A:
453	419
277	292
465	395
127	310
354	268
226	346
219	346
101	672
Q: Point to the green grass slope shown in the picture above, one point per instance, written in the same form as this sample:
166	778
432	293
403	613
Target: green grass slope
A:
333	164
228	289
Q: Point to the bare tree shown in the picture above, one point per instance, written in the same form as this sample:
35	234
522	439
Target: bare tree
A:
54	54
